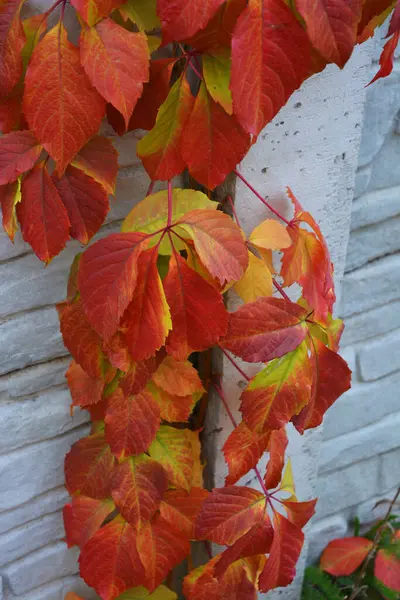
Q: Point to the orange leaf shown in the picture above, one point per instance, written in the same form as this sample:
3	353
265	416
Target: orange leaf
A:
199	317
387	57
179	378
265	329
89	467
242	450
117	352
12	40
218	32
270	235
285	551
277	447
10	195
172	408
93	11
146	321
110	562
271	57
19	151
181	19
131	423
62	108
138	376
213	142
138	488
173	450
344	556
107	279
181	509
42	215
83	517
387	569
161	547
85	390
218	241
228	513
99	160
374	14
299	513
116	62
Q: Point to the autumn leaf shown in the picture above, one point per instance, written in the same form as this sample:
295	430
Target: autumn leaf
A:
199	317
99	160
12	41
179	378
110	562
265	329
138	487
204	141
374	13
159	150
256	282
218	241
181	509
107	279
387	569
280	568
89	467
173	408
19	151
387	57
93	11
217	35
137	376
42	215
147	320
172	449
85	390
278	392
181	19
116	62
34	28
299	513
161	547
83	517
141	12
228	513
242	450
72	596
270	235
271	57
10	113
131	423
345	555
10	195
276	447
63	110
140	593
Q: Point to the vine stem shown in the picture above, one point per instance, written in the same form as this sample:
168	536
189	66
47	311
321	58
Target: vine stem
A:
150	188
267	204
280	289
169	222
232	205
233	361
371	553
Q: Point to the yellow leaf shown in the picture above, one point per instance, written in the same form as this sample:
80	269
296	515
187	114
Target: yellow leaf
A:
141	12
270	235
287	484
256	282
139	593
217	73
197	474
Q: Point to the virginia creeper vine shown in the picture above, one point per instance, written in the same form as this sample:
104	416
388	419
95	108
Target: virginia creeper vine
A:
203	78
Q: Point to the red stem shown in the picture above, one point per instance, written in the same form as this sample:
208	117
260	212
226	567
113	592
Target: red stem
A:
194	69
169	222
62	11
232	205
150	188
267	204
281	290
229	357
50	10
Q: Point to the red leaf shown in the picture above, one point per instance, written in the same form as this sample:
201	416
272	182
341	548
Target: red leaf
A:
89	467
332	28
83	517
107	279
344	556
228	513
235	584
116	62
178	378
257	540
181	510
271	57
93	11
86	202
331	378
285	551
181	19
387	569
61	107
117	352
161	547
19	151
138	488
387	57
277	447
266	329
213	142
131	423
219	243
110	562
374	14
10	195
12	40
80	338
299	513
146	321
198	313
220	29
173	409
138	376
99	160
160	150
394	25
242	450
10	113
42	215
85	390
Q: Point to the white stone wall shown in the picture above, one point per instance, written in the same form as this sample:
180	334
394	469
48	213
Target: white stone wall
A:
360	454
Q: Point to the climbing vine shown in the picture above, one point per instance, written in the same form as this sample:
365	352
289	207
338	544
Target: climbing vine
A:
203	77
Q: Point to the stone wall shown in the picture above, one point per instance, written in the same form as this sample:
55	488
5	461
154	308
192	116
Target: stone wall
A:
360	455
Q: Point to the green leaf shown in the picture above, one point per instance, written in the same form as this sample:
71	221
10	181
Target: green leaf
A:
141	12
139	593
217	74
319	586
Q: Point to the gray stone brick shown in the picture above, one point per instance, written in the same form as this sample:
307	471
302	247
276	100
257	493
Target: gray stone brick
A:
374	207
51	591
371	323
10	250
374	509
389	470
322	532
47	503
77	585
385	172
369	243
380	357
35	379
361	182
